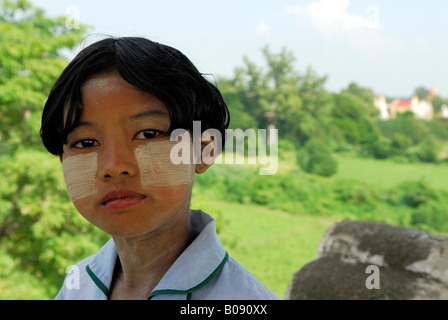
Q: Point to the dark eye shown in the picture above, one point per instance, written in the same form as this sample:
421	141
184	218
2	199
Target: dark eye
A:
86	143
147	134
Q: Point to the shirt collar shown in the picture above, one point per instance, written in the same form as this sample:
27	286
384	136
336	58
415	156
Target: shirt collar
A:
193	269
101	268
199	263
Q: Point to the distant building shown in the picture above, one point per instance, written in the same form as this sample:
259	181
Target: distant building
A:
444	111
381	105
421	108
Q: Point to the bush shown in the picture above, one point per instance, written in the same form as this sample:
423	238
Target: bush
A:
315	157
353	193
39	226
432	217
428	150
400	143
410	127
381	148
416	193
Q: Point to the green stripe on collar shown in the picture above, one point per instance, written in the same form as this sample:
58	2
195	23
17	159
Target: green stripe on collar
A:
97	281
197	287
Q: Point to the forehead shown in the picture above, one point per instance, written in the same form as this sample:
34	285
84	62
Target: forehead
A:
109	93
104	83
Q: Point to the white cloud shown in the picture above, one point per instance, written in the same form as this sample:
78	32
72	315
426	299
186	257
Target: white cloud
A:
262	29
331	16
362	32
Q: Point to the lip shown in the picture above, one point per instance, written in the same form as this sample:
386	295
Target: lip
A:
121	199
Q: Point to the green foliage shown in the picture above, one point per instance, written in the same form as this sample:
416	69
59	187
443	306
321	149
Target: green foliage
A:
239	116
410	138
365	95
411	203
400	143
30	62
315	157
350	116
38	224
381	148
428	150
410	127
384	147
16	284
297	105
421	92
438	128
416	193
40	231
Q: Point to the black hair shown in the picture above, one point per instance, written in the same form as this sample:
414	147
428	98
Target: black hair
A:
158	69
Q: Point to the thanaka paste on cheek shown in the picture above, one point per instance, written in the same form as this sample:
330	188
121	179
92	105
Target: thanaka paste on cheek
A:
156	167
80	175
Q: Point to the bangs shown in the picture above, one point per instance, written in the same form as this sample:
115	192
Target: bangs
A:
159	70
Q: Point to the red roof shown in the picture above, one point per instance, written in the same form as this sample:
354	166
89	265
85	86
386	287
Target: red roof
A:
403	103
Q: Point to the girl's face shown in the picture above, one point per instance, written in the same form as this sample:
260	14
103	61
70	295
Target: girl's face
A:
116	162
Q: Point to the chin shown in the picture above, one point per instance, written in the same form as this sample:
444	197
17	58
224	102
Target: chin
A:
165	207
133	223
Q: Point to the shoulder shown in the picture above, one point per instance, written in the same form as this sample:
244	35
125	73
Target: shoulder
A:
234	282
76	281
81	281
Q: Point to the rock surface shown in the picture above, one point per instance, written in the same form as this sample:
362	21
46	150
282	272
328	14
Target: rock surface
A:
368	260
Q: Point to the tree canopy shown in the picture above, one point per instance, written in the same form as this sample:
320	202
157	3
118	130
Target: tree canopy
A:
38	223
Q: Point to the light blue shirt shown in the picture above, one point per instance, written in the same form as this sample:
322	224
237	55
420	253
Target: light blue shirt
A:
204	271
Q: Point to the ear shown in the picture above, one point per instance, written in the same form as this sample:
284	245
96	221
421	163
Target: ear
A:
209	152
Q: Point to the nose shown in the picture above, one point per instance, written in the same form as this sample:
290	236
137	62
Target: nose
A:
116	160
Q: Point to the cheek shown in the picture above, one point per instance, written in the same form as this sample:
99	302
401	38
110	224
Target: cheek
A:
157	169
169	198
80	175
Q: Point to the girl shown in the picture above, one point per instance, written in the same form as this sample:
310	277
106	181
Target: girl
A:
109	118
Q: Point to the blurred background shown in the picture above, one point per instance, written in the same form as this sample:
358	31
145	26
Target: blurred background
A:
357	90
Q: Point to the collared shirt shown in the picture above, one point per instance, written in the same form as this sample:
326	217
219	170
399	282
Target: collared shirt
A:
204	271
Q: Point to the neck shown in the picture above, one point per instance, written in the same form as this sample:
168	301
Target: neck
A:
143	260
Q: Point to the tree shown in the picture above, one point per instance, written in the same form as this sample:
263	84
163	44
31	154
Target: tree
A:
240	118
350	115
421	92
366	97
30	61
314	116
315	157
278	96
39	226
437	103
428	150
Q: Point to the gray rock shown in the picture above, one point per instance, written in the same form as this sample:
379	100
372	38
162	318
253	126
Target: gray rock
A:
409	264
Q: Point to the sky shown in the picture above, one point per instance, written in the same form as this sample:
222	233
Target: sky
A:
389	46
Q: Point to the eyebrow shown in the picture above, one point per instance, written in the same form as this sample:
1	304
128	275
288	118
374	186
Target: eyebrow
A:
143	114
148	113
82	124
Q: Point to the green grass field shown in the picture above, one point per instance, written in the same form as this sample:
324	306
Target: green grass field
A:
271	244
384	173
274	244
